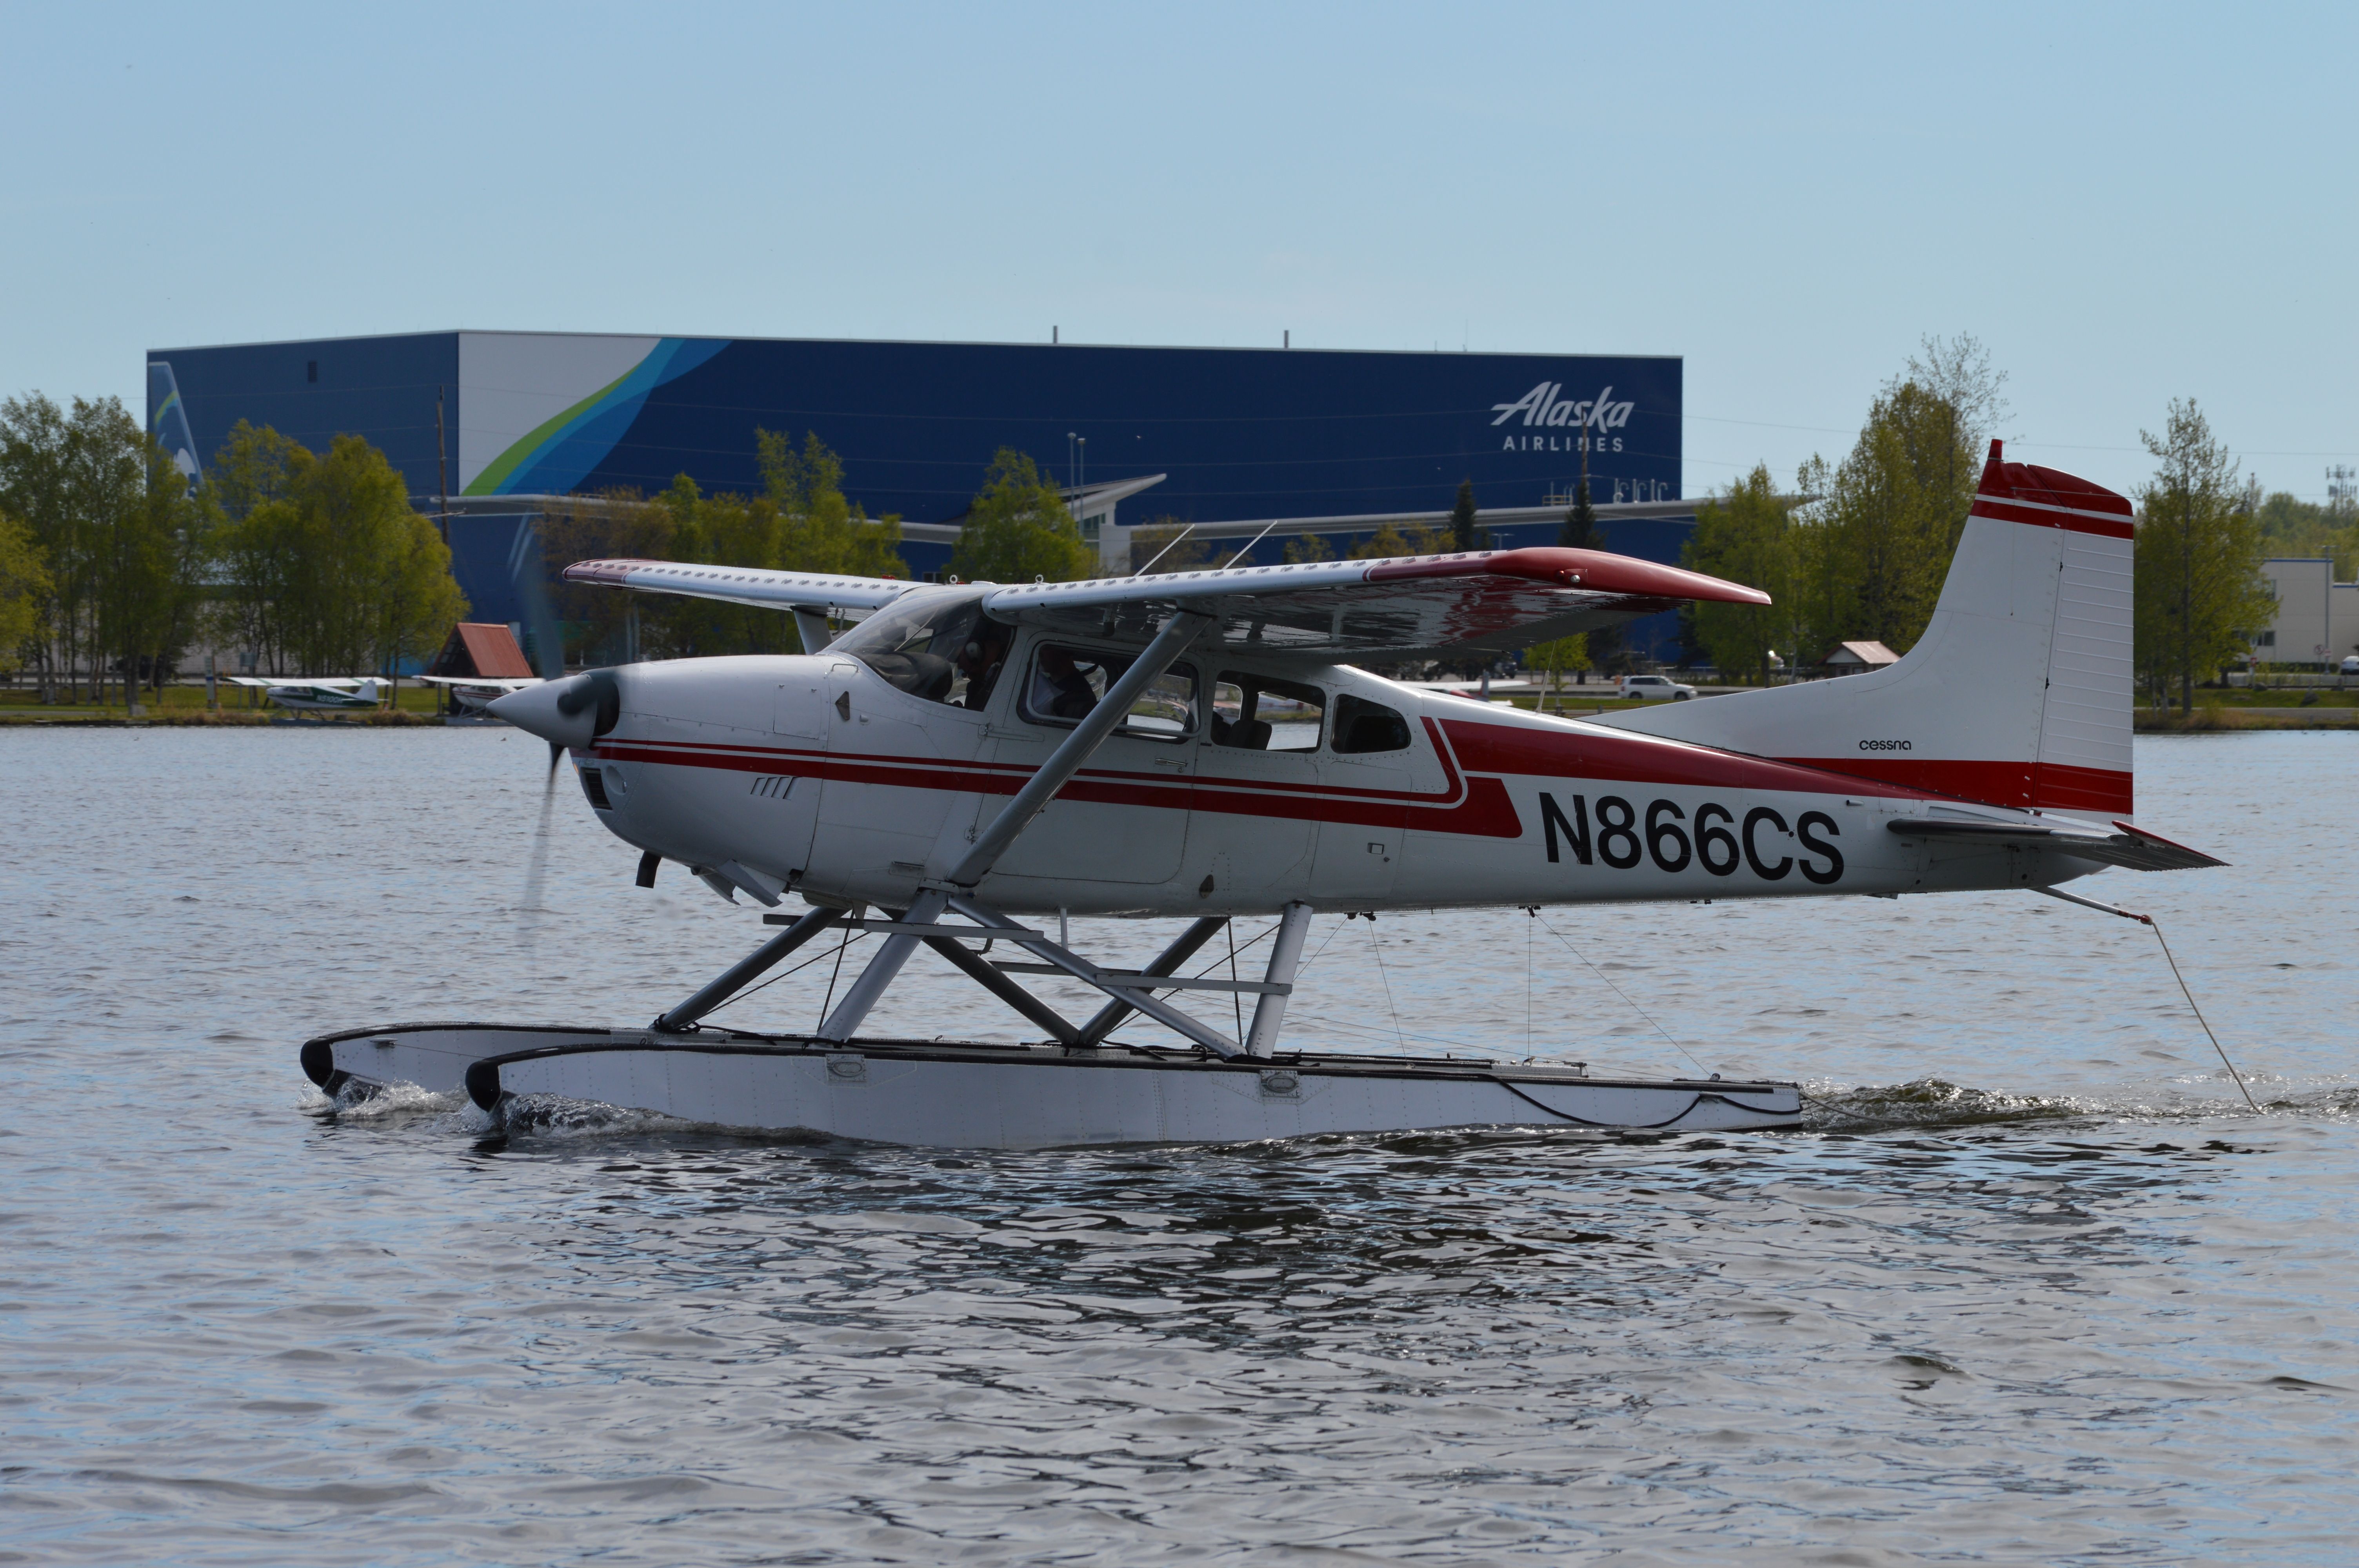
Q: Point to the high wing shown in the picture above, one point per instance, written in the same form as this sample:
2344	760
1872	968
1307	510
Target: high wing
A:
504	683
264	683
811	592
1482	600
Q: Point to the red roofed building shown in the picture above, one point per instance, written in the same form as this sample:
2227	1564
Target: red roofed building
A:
484	649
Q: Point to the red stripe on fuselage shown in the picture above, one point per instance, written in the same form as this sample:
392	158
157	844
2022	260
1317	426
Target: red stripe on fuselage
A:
2056	787
1609	758
1472	803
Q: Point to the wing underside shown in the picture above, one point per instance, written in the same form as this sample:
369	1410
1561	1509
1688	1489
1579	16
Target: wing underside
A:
1483	600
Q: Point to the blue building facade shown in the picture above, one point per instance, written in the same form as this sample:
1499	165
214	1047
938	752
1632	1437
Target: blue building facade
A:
1237	434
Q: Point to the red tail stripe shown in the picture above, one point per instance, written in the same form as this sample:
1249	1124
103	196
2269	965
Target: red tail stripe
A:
2069	518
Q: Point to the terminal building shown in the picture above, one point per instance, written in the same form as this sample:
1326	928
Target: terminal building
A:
489	428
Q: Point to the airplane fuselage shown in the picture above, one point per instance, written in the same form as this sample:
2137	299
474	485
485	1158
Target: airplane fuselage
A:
818	774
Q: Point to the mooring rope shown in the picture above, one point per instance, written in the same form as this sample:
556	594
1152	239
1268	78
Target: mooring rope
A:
2155	925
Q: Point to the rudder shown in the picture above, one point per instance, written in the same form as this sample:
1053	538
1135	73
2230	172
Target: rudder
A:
2019	692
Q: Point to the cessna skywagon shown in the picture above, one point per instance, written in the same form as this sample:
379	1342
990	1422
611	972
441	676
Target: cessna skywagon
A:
335	694
969	760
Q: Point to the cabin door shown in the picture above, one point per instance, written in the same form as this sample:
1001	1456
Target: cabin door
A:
900	777
786	793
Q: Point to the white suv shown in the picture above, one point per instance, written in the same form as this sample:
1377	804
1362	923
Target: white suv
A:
1655	688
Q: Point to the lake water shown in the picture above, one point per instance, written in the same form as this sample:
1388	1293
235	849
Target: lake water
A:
2036	1287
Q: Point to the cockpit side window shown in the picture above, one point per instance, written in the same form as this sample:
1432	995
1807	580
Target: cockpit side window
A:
1066	684
937	646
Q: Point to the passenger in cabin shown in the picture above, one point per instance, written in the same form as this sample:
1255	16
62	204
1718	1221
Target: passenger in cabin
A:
1060	690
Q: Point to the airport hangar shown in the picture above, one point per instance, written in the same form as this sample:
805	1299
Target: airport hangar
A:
1319	441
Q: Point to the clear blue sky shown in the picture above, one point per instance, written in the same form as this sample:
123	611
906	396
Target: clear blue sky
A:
2126	204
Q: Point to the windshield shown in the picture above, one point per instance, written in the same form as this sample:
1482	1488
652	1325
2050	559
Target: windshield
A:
939	646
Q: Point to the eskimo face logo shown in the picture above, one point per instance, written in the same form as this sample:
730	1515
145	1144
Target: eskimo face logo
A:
1540	406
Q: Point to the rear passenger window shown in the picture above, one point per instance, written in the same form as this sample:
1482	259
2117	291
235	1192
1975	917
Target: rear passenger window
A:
1364	725
1256	713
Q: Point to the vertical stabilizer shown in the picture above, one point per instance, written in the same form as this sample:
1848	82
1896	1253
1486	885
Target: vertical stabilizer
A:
2017	695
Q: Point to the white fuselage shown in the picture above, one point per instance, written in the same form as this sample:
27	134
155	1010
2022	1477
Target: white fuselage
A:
326	698
818	775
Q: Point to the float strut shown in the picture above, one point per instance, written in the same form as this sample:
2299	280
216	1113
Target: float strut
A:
730	980
978	969
1077	748
1110	1017
1284	957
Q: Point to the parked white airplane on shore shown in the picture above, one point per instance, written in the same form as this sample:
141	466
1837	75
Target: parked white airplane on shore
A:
1194	746
335	695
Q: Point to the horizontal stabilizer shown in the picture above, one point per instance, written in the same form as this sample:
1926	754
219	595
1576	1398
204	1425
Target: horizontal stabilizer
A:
2132	847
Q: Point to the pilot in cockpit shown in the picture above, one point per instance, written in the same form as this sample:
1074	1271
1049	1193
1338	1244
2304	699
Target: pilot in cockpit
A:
980	662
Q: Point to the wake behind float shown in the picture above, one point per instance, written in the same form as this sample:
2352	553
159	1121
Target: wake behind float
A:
1195	746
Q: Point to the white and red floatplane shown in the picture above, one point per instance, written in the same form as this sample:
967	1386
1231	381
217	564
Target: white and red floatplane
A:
1195	747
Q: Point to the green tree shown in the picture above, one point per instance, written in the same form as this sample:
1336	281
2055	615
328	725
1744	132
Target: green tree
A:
1304	548
37	442
325	567
154	546
1579	529
24	592
1553	657
2292	527
819	529
259	534
1018	529
1745	535
1160	542
1953	430
800	521
1894	509
1463	532
2198	590
122	550
1388	543
722	530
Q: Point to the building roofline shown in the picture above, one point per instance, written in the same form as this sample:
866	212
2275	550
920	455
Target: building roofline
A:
922	343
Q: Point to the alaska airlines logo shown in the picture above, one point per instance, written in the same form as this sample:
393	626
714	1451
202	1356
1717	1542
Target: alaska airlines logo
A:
1540	406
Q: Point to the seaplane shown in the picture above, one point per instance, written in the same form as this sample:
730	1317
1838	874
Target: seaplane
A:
336	693
968	765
